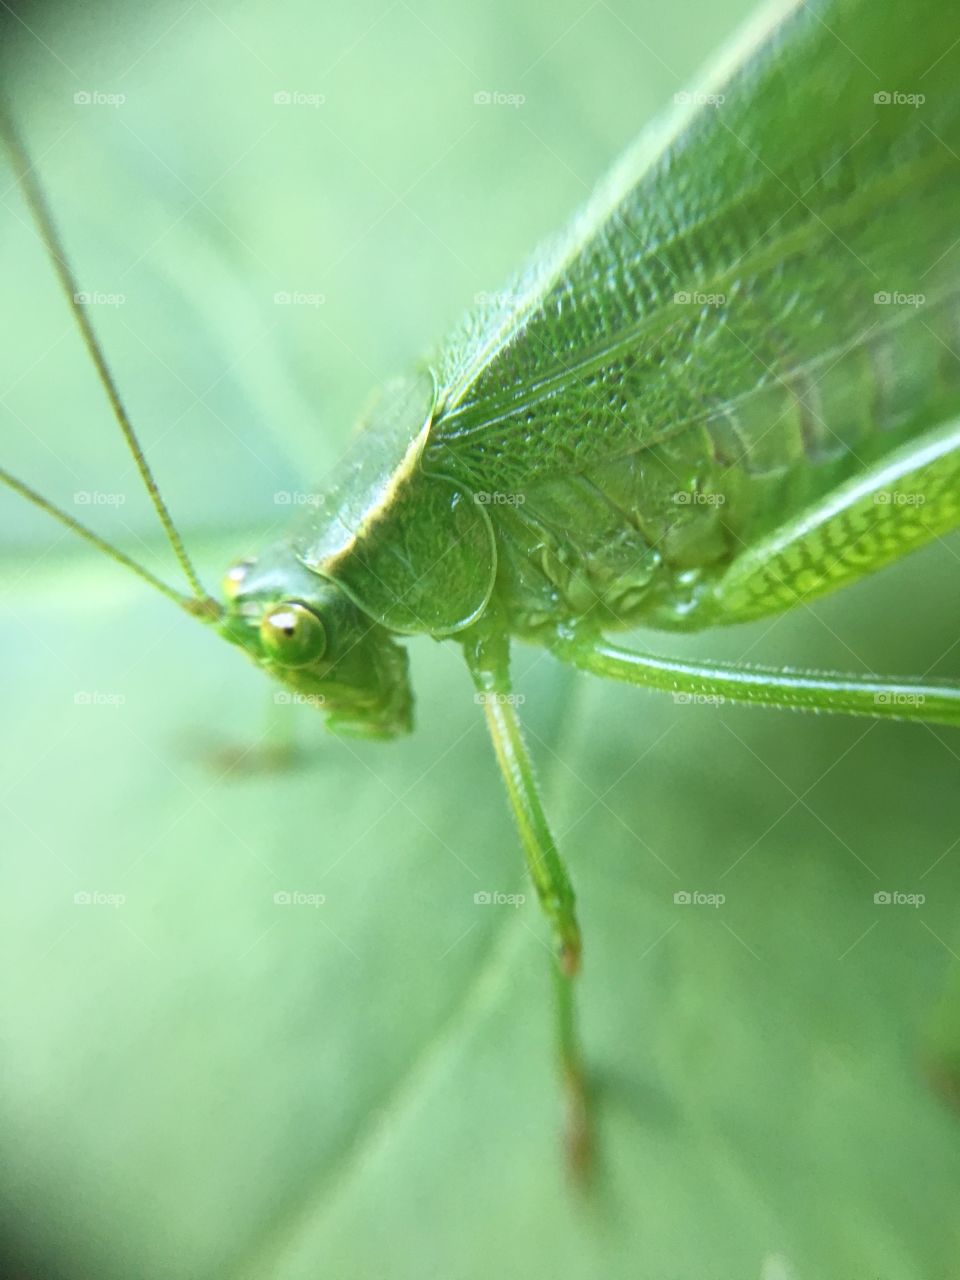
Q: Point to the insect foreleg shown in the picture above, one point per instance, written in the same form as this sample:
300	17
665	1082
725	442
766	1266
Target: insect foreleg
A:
489	665
488	659
859	695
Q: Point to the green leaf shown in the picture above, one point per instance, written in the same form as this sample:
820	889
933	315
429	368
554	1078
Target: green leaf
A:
201	1081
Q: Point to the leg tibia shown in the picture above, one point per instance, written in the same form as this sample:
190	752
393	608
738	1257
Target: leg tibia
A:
892	698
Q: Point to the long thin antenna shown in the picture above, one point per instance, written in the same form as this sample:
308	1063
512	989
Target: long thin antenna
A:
201	606
37	204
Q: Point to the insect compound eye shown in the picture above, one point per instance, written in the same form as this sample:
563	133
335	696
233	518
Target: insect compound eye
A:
234	578
293	635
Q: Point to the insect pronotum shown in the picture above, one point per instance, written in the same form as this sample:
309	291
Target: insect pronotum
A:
568	464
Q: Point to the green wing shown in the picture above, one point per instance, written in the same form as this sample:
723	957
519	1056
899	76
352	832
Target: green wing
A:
732	270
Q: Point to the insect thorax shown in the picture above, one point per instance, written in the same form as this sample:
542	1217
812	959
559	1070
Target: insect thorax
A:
637	541
615	545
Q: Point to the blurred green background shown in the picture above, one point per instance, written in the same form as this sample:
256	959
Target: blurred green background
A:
199	1082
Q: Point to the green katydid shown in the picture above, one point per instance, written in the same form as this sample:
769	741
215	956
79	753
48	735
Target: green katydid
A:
715	397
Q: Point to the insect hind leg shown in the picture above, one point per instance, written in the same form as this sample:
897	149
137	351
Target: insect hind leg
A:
906	499
881	697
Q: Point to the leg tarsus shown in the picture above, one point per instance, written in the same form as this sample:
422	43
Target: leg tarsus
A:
577	1129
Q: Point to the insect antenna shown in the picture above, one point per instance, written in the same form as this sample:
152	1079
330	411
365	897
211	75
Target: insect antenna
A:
36	202
199	606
